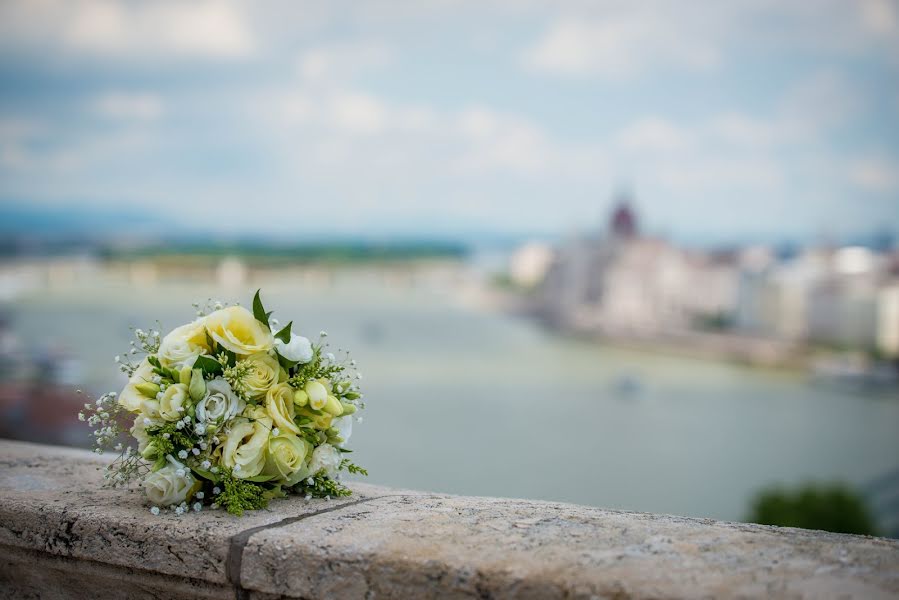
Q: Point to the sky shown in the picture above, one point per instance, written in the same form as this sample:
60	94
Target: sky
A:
723	120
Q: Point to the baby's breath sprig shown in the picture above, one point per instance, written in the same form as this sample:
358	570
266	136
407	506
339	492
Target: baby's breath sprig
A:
322	486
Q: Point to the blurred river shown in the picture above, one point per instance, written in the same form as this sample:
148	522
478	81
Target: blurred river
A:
470	402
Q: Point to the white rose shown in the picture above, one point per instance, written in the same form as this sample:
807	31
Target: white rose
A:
298	349
183	345
169	485
325	457
220	403
344	426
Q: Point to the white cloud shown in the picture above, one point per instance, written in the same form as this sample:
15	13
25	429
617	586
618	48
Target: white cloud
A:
115	29
339	61
619	46
128	106
879	17
875	174
359	113
654	134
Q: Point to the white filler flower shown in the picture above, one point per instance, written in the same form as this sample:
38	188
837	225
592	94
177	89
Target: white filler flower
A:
298	349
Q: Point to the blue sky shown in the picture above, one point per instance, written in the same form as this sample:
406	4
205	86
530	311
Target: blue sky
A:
727	120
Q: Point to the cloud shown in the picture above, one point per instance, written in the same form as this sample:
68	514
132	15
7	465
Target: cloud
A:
340	61
140	106
619	46
115	30
653	134
875	174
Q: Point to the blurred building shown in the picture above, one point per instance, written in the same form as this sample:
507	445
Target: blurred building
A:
622	281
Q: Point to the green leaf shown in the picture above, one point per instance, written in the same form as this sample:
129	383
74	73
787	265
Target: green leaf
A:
284	334
209	365
287	364
260	478
207	475
259	311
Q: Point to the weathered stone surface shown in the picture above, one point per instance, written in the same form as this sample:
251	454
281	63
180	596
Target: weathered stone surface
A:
51	500
445	546
62	536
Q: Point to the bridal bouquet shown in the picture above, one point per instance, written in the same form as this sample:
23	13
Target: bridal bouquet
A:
229	411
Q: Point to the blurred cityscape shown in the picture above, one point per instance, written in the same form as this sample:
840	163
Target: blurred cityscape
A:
833	309
434	184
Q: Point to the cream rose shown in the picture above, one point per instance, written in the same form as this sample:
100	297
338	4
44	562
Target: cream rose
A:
326	457
219	404
298	349
246	446
175	400
236	329
169	485
183	345
287	458
263	374
131	397
279	404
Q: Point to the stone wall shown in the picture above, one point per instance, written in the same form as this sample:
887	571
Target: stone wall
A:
63	536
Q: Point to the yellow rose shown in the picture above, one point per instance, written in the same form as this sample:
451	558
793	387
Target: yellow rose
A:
263	374
175	400
131	397
236	329
246	445
287	458
279	404
183	345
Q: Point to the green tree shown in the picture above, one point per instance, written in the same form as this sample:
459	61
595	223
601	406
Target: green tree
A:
829	507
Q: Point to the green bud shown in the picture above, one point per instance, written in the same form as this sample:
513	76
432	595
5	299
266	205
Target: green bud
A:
185	375
336	440
147	389
300	398
333	406
352	395
348	408
197	386
150	451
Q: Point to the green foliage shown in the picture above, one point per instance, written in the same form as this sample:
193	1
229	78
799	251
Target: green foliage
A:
177	439
349	466
284	334
171	375
210	366
259	310
322	486
829	507
239	495
314	369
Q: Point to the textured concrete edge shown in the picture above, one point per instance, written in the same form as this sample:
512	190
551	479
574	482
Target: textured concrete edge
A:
239	541
458	533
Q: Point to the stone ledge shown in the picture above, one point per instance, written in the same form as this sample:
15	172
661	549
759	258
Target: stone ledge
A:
61	535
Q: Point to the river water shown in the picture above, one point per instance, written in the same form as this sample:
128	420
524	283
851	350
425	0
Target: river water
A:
466	401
